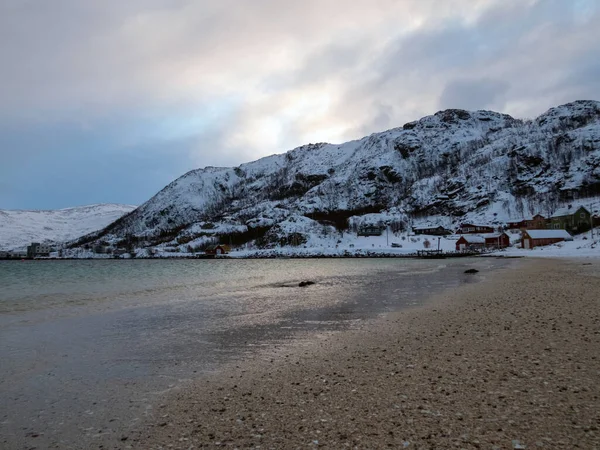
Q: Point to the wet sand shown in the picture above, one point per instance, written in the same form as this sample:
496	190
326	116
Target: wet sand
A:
511	362
81	367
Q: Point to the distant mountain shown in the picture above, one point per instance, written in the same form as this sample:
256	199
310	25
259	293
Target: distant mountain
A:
452	166
18	228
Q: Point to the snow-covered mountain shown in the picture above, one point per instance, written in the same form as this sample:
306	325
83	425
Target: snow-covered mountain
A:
452	166
18	228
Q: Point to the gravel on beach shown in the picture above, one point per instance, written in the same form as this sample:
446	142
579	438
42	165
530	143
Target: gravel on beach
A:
510	362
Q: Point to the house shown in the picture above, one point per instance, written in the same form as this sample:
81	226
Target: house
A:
516	224
575	220
470	243
537	222
497	240
4	255
433	231
537	238
469	228
217	250
37	249
370	230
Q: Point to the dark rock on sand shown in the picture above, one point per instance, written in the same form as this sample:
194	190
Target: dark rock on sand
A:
305	283
471	271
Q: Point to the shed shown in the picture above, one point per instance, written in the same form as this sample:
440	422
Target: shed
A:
432	230
497	240
470	243
537	222
470	228
217	250
538	238
370	230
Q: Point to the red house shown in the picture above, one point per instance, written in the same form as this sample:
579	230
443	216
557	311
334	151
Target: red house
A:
538	238
469	228
537	222
470	243
497	240
217	250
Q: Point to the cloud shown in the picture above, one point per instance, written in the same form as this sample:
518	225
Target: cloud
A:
180	84
474	94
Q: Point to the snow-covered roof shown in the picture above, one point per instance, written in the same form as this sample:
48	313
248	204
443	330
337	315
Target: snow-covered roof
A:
566	211
470	224
474	239
523	219
430	227
492	235
549	234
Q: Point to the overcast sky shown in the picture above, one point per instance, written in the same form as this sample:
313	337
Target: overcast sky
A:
108	101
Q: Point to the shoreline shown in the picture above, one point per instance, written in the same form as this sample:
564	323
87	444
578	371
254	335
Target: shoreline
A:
85	367
500	363
275	255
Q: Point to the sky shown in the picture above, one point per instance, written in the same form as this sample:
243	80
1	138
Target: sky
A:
109	101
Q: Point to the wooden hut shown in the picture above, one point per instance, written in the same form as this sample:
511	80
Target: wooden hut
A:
537	238
470	243
497	240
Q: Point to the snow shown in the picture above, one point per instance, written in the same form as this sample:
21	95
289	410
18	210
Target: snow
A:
352	245
582	246
445	169
491	235
19	228
567	210
473	239
549	234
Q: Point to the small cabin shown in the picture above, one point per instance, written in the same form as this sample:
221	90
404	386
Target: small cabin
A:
538	238
516	224
217	250
497	240
466	243
537	222
432	231
470	228
370	230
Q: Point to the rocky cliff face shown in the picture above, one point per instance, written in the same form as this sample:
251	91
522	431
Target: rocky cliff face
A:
454	165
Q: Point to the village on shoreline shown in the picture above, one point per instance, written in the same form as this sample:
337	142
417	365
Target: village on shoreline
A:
569	231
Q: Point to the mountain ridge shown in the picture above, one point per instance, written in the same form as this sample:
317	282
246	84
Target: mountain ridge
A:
20	227
450	166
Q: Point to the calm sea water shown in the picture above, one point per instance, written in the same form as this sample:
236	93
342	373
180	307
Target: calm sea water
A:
88	347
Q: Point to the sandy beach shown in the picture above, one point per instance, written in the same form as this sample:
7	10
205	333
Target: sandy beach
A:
510	362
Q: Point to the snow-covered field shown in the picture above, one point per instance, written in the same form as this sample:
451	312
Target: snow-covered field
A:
582	246
352	245
19	228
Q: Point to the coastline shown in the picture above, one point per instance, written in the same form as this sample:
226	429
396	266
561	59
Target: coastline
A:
501	363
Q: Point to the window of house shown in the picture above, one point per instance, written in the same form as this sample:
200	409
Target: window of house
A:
582	215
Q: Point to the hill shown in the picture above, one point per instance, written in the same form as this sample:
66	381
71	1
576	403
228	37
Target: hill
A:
18	228
445	168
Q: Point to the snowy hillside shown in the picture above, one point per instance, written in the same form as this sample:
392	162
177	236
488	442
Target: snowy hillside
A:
446	168
19	228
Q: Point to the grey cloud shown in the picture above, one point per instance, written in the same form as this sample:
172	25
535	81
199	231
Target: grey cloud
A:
516	58
474	94
380	63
